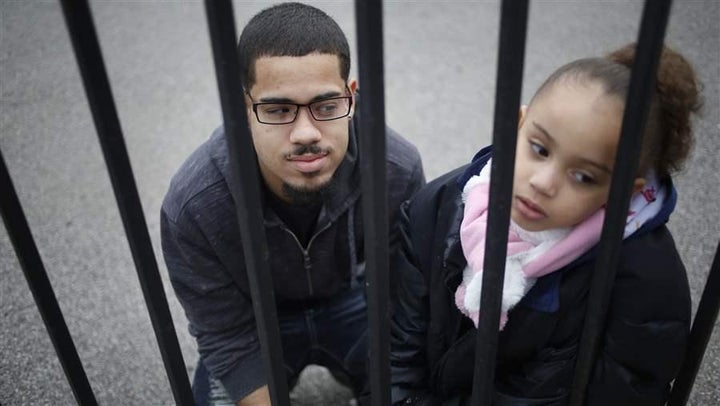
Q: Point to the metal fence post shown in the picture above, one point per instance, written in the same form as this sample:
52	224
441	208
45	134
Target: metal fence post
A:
372	128
511	56
642	85
245	191
97	88
42	291
702	329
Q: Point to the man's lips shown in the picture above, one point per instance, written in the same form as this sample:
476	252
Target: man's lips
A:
528	209
308	163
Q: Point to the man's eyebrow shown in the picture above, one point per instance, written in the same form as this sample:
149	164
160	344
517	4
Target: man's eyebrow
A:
326	95
319	97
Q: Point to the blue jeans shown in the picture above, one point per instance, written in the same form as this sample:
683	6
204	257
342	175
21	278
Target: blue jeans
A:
333	335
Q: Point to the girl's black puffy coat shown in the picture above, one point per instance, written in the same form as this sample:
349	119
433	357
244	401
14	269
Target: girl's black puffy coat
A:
433	344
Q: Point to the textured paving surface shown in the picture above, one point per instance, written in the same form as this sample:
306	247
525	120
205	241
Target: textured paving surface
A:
440	68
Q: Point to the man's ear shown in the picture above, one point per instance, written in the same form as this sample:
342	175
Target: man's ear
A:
352	84
248	104
638	185
521	115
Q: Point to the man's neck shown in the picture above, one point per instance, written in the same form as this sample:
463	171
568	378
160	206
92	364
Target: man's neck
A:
300	219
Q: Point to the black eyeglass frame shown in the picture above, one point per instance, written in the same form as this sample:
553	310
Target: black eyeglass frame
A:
298	105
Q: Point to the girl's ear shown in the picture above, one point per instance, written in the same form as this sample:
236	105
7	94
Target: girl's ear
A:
638	185
521	115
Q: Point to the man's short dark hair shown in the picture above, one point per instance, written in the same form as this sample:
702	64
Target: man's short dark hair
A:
290	29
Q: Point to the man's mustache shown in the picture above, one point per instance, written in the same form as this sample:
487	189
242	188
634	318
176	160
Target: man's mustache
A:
313	149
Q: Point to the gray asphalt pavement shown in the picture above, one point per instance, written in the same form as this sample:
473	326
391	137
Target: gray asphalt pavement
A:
440	67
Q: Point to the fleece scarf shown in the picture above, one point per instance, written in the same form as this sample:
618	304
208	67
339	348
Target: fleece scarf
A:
530	254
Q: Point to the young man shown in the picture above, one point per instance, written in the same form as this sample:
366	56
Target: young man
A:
301	106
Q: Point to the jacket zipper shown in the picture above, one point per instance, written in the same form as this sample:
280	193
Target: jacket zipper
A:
306	253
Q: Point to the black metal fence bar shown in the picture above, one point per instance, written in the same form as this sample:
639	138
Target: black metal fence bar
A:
368	15
702	329
511	56
97	87
642	83
245	190
32	266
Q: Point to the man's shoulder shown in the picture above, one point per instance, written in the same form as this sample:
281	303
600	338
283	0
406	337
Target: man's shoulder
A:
401	152
437	201
441	188
201	176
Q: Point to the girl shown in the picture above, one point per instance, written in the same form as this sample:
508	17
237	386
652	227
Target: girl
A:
565	155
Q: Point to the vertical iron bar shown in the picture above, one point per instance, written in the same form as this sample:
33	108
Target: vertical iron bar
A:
642	85
511	57
97	87
371	138
36	276
246	193
702	329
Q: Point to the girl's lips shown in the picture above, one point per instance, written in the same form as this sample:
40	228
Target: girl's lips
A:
308	163
528	209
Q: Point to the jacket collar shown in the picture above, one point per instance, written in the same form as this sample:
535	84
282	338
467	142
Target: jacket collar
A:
347	186
478	162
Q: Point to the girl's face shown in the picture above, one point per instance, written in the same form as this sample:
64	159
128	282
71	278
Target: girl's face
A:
565	155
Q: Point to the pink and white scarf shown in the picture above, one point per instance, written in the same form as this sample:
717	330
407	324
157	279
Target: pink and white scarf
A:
531	254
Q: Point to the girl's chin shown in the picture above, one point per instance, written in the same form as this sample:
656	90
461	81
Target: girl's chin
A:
525	224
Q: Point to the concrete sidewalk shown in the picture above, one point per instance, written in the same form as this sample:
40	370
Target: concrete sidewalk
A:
440	67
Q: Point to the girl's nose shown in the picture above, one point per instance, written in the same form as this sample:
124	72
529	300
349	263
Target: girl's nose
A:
544	180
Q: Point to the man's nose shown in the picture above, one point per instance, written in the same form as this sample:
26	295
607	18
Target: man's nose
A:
304	130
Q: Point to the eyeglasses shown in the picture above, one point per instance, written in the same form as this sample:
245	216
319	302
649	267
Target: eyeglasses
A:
328	109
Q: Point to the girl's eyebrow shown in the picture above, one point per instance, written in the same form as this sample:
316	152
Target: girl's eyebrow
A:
597	165
544	131
584	160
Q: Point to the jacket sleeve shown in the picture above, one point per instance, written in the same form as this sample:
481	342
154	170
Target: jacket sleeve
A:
405	177
415	182
220	315
408	361
647	328
417	179
422	221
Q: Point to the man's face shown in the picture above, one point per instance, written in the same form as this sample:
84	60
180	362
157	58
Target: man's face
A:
301	156
565	156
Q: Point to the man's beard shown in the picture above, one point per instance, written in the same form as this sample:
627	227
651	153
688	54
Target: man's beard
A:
306	196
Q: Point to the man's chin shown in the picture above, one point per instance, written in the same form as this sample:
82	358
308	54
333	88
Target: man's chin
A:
306	194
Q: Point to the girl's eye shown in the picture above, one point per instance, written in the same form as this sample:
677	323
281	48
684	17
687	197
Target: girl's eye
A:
583	178
539	149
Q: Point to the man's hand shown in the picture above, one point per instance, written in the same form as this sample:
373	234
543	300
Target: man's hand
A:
259	397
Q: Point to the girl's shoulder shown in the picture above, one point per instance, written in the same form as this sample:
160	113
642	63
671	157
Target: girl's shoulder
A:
652	256
651	280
